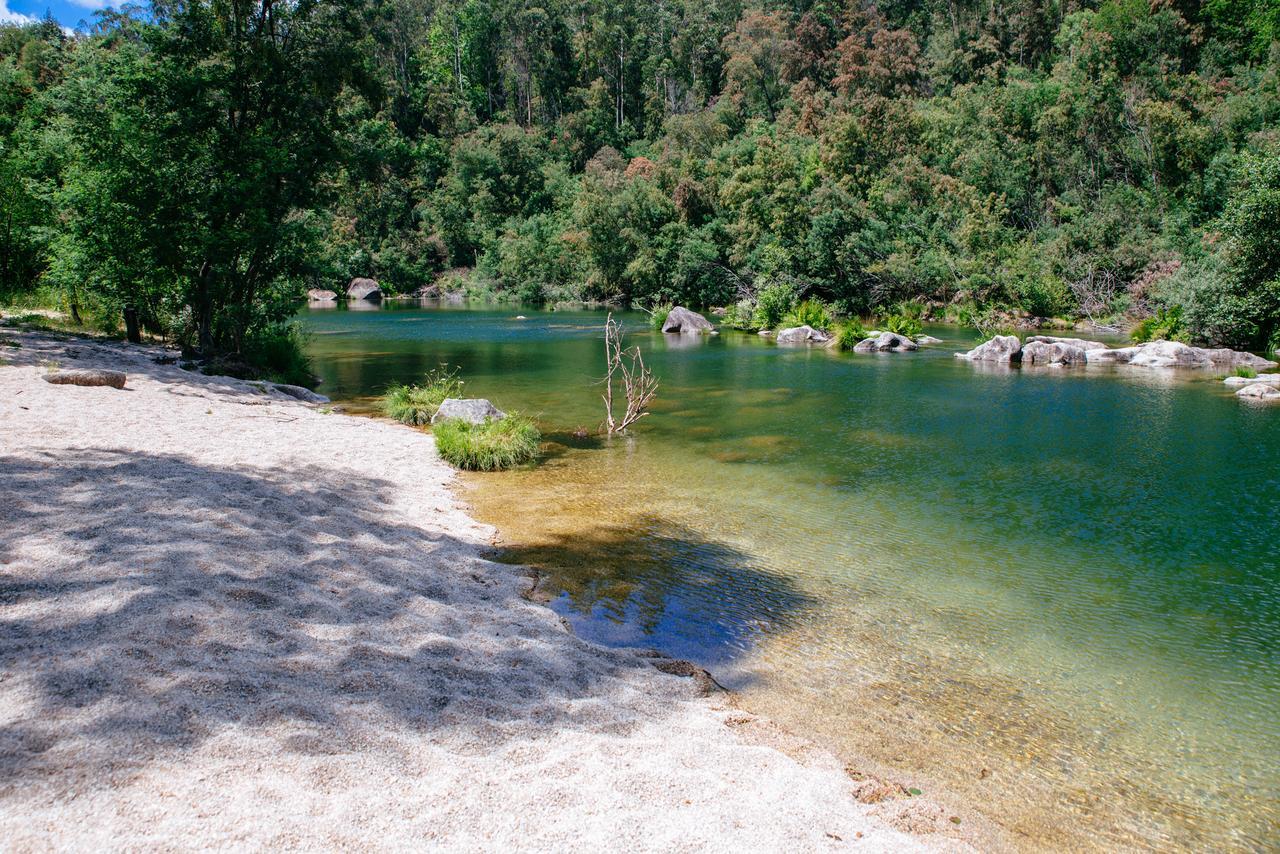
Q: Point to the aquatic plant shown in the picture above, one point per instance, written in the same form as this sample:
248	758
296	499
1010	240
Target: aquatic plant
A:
901	324
658	315
1244	371
810	312
415	404
491	445
848	333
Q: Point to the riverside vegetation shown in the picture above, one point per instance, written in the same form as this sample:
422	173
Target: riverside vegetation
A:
1112	160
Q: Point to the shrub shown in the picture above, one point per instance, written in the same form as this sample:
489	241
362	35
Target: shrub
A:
739	315
1165	324
415	404
658	315
278	353
848	333
491	445
772	304
900	324
810	312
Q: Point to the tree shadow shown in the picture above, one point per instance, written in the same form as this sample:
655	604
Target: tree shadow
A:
149	603
651	582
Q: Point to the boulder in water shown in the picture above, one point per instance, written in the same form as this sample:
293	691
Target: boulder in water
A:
927	339
686	322
1002	348
321	295
1082	343
885	342
802	335
1052	353
1273	379
366	289
1259	391
474	410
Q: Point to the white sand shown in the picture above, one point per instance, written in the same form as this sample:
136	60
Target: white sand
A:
228	620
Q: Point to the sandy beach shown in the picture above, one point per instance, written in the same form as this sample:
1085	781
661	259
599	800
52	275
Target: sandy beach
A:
229	619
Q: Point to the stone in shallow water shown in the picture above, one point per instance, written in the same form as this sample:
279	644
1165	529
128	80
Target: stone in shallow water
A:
1002	348
1259	391
885	342
474	410
686	322
1052	353
801	335
1082	343
1273	379
366	289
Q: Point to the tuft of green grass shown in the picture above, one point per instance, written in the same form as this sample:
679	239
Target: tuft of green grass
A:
658	315
848	333
415	404
902	324
810	312
1244	371
491	445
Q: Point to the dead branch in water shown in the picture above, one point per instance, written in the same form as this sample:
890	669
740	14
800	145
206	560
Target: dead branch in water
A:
625	366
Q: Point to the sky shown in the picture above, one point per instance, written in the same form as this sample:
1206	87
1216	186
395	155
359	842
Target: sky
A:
69	13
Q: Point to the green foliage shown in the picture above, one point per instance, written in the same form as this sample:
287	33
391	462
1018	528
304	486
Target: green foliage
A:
1165	325
658	315
809	312
416	404
773	303
278	353
848	333
492	445
901	324
1244	371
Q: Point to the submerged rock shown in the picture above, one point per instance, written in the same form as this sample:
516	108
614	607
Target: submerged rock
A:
1052	353
1002	348
802	334
928	339
1082	343
885	342
321	295
1175	354
1259	391
686	322
87	377
366	289
297	392
475	410
1273	379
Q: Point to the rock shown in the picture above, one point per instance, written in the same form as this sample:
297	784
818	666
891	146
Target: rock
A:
474	410
686	322
1259	391
366	289
319	295
1119	356
1273	379
765	332
802	335
521	317
928	339
719	311
1169	354
1076	342
427	292
1002	348
1222	357
306	395
86	377
1056	353
886	342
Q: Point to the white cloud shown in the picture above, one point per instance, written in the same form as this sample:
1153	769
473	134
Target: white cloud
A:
87	4
7	17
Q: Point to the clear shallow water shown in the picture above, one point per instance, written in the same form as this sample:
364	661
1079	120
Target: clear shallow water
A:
1052	593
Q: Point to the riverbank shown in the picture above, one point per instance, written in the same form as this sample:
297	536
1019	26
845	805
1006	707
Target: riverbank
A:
231	619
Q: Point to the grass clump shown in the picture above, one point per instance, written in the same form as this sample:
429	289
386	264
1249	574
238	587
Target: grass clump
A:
491	445
1244	371
848	333
658	315
905	325
416	404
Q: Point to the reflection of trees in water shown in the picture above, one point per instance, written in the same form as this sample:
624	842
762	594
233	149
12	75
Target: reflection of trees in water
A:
668	581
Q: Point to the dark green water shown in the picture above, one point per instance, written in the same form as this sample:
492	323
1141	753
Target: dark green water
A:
1054	593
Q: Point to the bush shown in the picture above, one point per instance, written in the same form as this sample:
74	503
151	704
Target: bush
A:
658	315
900	324
1166	324
491	445
278	353
773	303
739	315
848	333
810	312
415	404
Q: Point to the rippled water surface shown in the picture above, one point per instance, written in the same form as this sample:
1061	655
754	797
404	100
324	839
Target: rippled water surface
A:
1053	593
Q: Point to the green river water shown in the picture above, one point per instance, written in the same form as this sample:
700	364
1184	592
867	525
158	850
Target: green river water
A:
1052	594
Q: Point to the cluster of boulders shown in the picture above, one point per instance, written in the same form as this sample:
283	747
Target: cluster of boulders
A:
1050	350
885	342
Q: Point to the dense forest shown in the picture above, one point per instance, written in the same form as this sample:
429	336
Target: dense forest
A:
976	159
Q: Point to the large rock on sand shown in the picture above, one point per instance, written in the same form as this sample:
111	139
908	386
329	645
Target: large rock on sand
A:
686	322
802	335
86	377
474	410
298	392
1002	348
1052	353
885	342
1082	343
366	289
